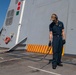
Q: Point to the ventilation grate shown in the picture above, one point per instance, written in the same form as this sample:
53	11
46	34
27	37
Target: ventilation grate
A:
9	18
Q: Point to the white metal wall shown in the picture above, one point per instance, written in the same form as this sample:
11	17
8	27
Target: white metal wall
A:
36	20
71	29
10	28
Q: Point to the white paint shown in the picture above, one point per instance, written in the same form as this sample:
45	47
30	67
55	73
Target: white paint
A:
10	60
1	57
49	72
20	21
14	54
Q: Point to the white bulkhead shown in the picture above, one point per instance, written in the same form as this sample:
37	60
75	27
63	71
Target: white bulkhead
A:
31	19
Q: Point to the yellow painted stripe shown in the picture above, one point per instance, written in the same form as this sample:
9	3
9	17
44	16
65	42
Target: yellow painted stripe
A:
44	49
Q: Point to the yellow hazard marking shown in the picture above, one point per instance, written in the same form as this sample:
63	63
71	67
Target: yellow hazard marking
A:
44	49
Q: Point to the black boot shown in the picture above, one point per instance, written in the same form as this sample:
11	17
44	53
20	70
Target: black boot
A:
54	66
59	64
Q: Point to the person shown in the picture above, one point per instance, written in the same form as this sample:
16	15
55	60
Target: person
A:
57	38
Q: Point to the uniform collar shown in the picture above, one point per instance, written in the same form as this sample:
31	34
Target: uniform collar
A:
57	23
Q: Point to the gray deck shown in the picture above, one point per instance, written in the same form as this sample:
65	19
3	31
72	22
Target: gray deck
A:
24	63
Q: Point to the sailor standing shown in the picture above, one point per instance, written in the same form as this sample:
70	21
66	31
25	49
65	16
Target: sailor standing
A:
57	37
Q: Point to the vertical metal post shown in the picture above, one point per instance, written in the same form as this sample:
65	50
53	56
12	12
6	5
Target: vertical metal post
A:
20	21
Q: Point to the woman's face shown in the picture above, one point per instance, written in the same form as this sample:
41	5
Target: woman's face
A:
53	18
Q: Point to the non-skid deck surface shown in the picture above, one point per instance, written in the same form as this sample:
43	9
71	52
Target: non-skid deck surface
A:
24	63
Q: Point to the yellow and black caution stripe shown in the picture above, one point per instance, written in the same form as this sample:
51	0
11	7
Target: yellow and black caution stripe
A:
40	49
